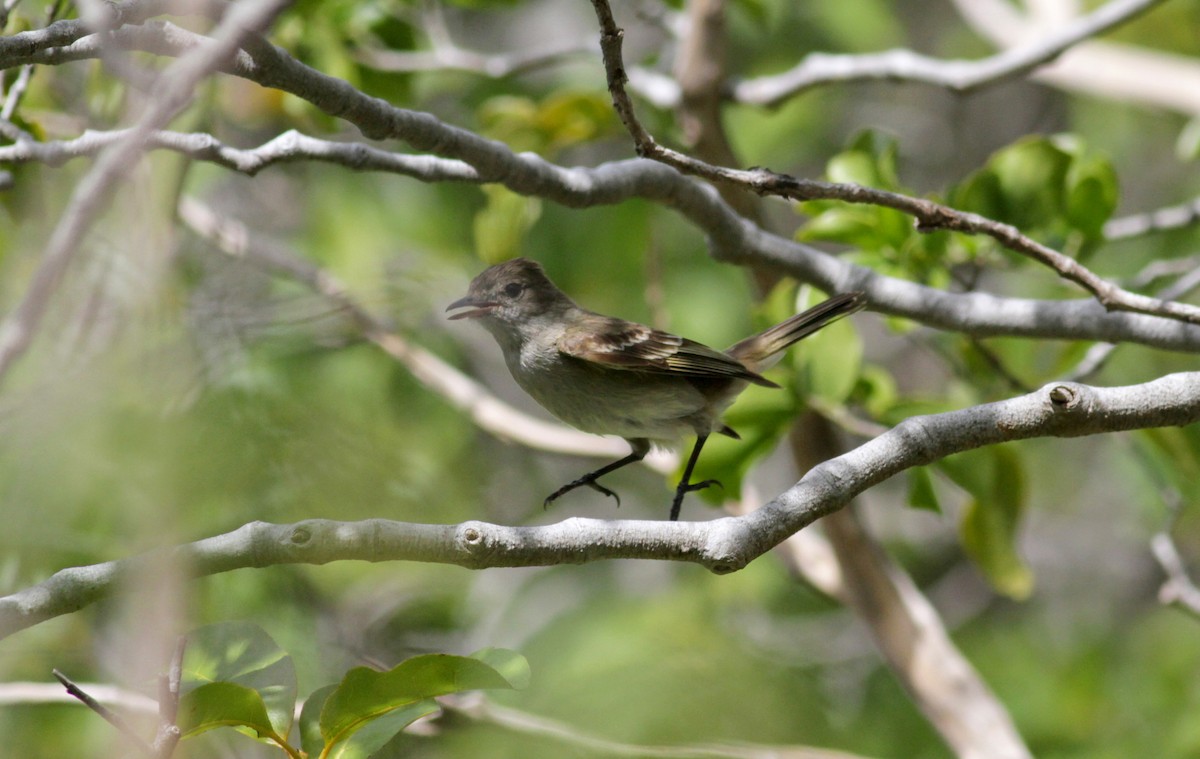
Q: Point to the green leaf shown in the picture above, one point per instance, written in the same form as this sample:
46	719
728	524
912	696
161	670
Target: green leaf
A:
1091	195
224	704
877	391
981	193
242	653
1187	145
1172	454
572	118
828	363
853	167
366	694
995	479
511	665
1031	174
920	490
311	739
500	226
1044	185
858	225
376	733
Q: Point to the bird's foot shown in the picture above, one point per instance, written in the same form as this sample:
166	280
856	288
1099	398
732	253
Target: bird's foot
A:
587	480
689	487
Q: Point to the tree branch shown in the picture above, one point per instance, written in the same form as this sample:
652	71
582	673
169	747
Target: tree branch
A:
1105	69
929	216
1163	220
483	709
487	411
905	626
721	545
288	147
732	238
957	75
173	93
1178	589
107	715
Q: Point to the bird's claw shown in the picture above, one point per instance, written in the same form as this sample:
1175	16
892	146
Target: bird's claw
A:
579	483
597	486
692	487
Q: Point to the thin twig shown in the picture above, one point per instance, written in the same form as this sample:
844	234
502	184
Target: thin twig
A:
1178	589
484	710
495	66
445	55
13	97
168	734
1162	220
1126	73
486	410
287	147
1097	355
929	216
94	191
731	238
957	75
107	714
6	9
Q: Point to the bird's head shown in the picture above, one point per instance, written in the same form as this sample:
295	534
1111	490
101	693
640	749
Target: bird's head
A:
513	293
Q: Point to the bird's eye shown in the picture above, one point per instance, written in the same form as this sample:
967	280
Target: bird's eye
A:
514	289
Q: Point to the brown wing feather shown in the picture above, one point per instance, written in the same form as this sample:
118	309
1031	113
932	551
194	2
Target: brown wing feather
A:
627	345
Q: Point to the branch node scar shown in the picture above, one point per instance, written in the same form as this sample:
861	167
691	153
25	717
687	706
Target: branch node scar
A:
1063	396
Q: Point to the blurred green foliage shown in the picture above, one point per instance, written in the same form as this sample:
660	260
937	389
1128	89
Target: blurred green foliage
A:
178	394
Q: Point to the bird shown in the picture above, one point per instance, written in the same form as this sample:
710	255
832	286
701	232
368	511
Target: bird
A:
609	376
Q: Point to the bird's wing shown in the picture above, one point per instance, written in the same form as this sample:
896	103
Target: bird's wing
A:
626	345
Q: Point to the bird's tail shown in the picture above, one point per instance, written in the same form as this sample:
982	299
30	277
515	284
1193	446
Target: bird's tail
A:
756	351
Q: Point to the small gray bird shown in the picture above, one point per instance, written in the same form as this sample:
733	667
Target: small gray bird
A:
613	377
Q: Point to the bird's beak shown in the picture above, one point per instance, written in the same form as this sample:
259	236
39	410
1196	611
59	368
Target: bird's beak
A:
477	307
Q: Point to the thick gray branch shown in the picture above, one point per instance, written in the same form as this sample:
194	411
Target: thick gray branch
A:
928	215
722	545
732	238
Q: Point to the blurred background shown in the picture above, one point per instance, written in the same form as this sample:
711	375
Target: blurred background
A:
177	391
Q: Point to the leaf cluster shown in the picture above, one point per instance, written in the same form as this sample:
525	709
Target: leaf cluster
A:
235	676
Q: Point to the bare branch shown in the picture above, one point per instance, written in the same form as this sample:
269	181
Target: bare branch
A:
91	195
12	98
106	714
1106	69
929	216
956	75
1162	220
722	545
486	410
14	693
1097	355
1178	589
287	147
450	57
912	637
481	708
732	238
169	734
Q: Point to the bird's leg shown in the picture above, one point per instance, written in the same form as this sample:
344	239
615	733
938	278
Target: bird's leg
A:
640	448
686	487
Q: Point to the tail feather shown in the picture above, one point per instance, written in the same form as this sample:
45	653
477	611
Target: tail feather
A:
755	350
